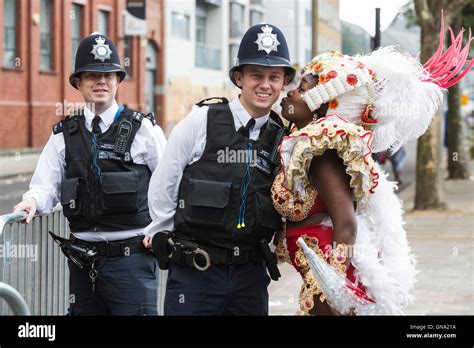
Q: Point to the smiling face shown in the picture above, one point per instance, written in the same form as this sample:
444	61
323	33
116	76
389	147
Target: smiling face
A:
98	89
295	109
261	87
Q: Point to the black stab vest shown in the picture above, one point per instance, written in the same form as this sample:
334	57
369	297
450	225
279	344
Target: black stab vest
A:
214	198
103	190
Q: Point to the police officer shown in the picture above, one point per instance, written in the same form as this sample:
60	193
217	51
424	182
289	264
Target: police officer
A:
98	163
210	196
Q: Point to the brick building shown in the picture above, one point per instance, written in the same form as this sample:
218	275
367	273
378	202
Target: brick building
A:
38	43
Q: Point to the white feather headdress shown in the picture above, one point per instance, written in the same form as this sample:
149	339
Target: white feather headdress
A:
387	91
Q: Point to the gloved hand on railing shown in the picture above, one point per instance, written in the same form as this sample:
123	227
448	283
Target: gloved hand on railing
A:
28	205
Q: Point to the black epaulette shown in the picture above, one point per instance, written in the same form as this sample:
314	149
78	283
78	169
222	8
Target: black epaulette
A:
58	127
151	117
204	102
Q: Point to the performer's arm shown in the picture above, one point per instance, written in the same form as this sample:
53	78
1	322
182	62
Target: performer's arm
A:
327	173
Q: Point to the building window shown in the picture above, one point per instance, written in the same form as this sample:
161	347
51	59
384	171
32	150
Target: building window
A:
103	22
127	54
309	18
46	42
9	32
255	17
308	55
237	20
200	23
77	15
180	25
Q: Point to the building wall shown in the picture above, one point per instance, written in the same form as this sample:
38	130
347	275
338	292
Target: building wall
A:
186	83
291	16
31	101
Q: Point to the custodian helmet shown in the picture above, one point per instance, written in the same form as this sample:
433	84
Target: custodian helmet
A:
264	45
97	53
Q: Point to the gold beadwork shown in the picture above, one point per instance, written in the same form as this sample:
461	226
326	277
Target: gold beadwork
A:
339	257
310	287
291	205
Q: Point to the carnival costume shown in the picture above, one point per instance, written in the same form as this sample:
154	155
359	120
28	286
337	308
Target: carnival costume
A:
376	102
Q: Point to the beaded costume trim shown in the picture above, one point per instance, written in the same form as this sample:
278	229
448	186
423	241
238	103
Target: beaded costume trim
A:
292	193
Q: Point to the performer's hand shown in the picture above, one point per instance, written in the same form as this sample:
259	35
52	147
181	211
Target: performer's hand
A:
28	205
147	242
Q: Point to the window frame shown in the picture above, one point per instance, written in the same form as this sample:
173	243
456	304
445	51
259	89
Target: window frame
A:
242	25
16	45
174	32
50	54
106	13
76	40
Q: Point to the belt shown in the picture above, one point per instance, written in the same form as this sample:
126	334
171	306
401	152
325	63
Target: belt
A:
188	253
117	248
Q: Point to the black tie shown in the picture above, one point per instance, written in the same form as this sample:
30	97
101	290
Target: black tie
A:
95	125
245	131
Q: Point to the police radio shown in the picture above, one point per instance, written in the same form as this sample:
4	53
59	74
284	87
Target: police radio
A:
123	135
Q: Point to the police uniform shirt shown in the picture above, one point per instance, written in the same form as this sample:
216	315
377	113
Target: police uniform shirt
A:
185	146
45	186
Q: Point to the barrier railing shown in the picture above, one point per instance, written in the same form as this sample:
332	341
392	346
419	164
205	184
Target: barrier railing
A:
32	264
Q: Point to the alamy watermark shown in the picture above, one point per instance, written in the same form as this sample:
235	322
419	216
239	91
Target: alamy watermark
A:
227	155
10	251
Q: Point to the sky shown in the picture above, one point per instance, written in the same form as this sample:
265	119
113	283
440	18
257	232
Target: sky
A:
362	12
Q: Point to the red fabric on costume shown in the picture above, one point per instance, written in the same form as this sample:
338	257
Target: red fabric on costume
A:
324	235
317	207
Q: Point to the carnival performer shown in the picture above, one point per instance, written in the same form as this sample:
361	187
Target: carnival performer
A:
331	192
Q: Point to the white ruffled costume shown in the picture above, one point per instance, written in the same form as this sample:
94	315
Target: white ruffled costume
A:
382	256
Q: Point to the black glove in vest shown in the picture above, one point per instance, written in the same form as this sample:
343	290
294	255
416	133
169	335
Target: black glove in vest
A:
224	199
103	189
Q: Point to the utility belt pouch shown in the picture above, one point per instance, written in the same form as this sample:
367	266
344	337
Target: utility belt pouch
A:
161	245
270	260
80	254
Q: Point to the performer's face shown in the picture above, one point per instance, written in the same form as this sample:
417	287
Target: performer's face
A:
261	87
294	108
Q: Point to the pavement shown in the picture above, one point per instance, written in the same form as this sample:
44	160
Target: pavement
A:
442	240
16	163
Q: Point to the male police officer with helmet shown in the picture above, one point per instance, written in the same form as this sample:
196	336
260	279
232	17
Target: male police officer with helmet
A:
215	204
98	163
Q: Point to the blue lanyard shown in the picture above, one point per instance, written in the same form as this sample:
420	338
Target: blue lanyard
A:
119	111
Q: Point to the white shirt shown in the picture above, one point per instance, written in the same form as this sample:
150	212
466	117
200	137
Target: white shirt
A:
45	186
185	146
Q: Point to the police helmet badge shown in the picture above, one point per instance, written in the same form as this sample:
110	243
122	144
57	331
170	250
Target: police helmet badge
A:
101	51
267	41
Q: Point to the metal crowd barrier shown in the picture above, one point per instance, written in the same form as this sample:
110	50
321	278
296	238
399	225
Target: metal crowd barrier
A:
34	265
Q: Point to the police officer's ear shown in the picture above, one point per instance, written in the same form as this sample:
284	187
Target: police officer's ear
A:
238	76
77	79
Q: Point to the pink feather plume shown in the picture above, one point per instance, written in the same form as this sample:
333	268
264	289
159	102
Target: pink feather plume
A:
445	68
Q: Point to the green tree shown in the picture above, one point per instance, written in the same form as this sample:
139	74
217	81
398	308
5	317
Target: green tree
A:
428	192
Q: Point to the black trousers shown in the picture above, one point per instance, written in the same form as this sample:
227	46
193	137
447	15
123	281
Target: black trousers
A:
219	290
125	285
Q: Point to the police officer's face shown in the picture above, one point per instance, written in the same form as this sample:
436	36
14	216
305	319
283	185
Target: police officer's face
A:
261	87
98	88
294	108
